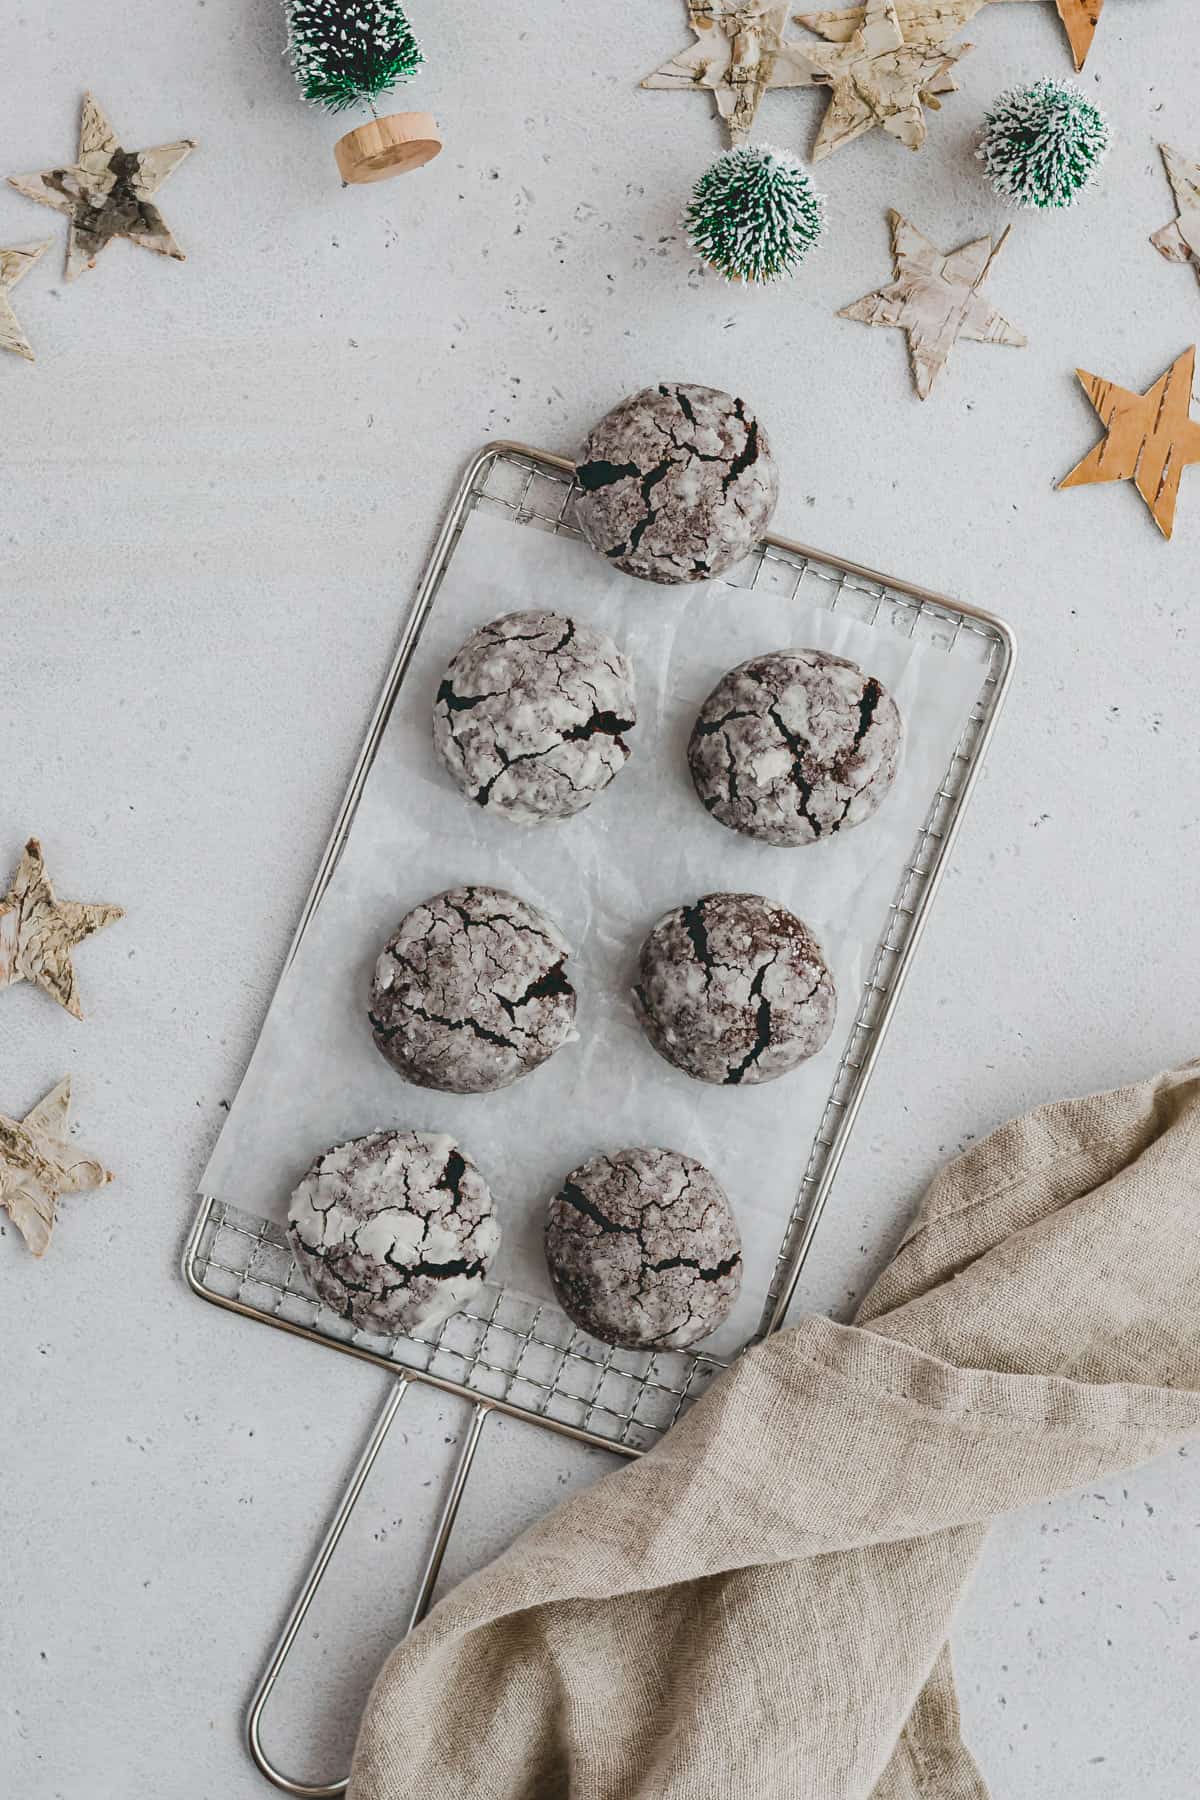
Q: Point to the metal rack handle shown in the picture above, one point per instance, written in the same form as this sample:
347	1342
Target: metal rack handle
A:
312	1581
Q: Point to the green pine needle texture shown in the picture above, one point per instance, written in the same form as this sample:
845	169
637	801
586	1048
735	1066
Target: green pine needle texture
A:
754	214
1043	144
347	52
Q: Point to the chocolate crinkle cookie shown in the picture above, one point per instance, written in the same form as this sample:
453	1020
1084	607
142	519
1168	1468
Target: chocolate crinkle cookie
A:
795	745
472	991
532	715
676	483
734	990
395	1230
644	1250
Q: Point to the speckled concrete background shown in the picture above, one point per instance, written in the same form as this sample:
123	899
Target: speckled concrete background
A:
219	485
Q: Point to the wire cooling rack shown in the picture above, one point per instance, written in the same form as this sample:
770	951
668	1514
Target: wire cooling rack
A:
507	1353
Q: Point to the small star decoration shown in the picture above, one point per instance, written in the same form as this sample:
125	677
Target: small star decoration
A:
1150	438
37	1164
881	76
38	931
107	193
936	299
1180	240
15	264
740	52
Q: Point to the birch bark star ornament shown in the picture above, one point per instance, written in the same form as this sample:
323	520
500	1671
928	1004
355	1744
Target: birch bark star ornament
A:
15	263
739	53
882	76
1149	439
38	931
107	192
936	299
1180	240
37	1165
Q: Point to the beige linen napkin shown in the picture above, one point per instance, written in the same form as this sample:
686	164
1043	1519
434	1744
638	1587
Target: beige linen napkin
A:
758	1609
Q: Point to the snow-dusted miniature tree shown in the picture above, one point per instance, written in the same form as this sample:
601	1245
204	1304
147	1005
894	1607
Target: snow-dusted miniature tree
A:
754	214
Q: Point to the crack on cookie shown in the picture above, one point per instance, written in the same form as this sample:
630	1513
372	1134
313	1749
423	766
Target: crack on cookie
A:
594	475
453	702
546	987
762	1027
434	1271
692	920
463	1023
451	1177
648	483
714	1273
747	456
799	749
681	400
603	723
573	1195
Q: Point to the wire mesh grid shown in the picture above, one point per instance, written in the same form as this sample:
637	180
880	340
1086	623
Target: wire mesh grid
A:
502	1347
525	1356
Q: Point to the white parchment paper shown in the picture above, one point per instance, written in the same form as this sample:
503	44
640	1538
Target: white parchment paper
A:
645	846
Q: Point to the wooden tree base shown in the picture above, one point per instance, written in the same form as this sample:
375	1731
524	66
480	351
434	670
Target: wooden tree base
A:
389	146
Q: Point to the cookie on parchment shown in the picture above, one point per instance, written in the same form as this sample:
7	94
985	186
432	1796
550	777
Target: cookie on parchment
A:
794	746
734	989
395	1230
533	715
471	991
643	1249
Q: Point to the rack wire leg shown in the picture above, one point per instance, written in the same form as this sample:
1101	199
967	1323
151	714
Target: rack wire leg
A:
433	1567
304	1599
329	1543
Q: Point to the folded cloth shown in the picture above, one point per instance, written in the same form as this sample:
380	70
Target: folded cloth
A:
759	1607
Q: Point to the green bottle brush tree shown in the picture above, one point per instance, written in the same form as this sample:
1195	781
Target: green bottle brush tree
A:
1042	145
754	214
347	53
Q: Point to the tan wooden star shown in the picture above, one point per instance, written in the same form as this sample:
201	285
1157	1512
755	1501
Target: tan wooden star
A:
15	263
936	299
880	77
37	1164
107	193
1081	18
740	52
1150	438
38	931
1180	240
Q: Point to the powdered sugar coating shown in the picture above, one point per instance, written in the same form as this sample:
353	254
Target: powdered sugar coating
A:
734	989
395	1230
471	991
532	716
795	745
677	483
643	1249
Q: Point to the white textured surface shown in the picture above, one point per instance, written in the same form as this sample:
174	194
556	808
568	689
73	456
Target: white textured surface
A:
219	484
